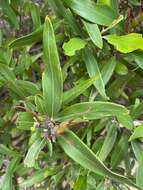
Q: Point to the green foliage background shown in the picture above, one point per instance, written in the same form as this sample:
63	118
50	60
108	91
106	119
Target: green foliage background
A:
71	97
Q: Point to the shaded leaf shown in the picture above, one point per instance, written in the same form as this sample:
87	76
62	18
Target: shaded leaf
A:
7	182
139	175
39	176
77	90
25	121
93	70
7	9
121	69
120	151
108	142
108	69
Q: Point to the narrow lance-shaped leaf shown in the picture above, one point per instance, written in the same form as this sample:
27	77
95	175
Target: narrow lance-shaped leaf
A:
137	149
80	153
29	39
139	175
94	33
52	77
40	105
87	9
108	142
39	176
108	69
9	12
94	110
77	90
7	151
120	150
7	183
33	152
93	70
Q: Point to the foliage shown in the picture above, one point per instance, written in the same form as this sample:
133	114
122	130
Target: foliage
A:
71	94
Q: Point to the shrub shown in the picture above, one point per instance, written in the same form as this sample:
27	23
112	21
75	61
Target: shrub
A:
71	94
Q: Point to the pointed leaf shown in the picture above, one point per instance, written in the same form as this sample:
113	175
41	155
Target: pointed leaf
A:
92	110
87	9
71	94
108	142
80	153
33	152
94	33
7	183
138	133
52	77
93	70
39	176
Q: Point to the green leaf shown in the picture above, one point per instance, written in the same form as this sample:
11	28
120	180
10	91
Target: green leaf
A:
10	79
125	121
25	121
67	64
81	183
29	39
137	149
7	182
7	151
9	12
39	176
104	2
73	45
121	69
27	88
108	142
94	33
137	57
52	77
80	153
139	175
40	105
138	133
93	110
108	69
20	87
87	9
120	150
71	94
126	43
33	152
35	14
93	70
61	11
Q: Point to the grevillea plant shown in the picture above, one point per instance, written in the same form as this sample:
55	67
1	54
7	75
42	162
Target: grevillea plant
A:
71	95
